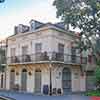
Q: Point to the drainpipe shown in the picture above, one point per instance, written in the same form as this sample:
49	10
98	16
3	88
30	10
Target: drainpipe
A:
50	68
6	61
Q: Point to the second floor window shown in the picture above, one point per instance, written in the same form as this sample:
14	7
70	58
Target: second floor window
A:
13	51
60	48
73	51
24	50
38	47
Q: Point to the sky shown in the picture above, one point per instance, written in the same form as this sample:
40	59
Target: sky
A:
14	12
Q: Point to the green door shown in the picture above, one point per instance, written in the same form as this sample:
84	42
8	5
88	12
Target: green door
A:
24	80
12	79
66	80
90	85
38	81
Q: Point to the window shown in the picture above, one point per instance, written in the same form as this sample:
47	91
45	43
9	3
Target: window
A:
60	48
73	55
73	51
38	47
13	50
89	58
24	50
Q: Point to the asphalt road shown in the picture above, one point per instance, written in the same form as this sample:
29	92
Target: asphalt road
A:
22	96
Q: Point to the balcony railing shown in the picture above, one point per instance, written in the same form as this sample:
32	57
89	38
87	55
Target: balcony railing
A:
44	57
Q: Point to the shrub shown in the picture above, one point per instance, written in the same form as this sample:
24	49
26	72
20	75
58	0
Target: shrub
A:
93	93
97	77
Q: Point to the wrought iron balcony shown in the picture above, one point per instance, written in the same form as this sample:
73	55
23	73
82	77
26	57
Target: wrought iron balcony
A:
46	57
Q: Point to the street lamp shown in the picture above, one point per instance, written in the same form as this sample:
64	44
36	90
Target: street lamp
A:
50	68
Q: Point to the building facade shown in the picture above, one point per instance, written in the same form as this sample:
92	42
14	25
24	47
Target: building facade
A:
2	64
41	55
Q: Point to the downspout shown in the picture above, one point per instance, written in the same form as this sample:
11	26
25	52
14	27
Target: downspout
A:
6	61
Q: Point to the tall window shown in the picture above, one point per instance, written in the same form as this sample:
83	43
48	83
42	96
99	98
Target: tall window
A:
13	50
73	55
24	50
73	51
60	55
60	48
38	47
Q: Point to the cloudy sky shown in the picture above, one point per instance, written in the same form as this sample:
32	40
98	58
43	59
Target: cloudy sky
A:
14	12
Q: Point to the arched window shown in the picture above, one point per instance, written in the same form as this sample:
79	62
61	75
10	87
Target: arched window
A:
24	70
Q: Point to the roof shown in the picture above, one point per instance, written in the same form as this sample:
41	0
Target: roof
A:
57	26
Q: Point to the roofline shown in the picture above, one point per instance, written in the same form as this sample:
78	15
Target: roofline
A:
46	27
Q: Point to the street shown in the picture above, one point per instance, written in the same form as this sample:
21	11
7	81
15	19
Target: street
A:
25	96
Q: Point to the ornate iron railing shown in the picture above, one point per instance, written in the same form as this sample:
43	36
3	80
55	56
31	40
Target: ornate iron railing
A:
47	56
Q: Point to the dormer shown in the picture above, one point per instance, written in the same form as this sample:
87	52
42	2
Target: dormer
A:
21	28
34	24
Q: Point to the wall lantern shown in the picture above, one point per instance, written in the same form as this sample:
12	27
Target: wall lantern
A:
30	73
17	73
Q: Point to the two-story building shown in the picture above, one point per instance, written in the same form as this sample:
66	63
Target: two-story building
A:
41	55
2	64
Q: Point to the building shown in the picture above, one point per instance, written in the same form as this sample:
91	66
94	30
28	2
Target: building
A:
42	55
2	64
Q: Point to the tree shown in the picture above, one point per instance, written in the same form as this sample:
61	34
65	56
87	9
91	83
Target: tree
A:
1	1
85	15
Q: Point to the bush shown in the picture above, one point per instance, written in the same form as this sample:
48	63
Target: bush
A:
97	77
93	93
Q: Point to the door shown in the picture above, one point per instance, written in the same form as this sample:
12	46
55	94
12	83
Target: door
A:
38	81
73	55
90	80
24	80
60	52
13	51
38	49
2	81
24	53
12	79
66	80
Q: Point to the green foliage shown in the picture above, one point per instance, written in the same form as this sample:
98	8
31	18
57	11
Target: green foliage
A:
93	93
85	15
97	75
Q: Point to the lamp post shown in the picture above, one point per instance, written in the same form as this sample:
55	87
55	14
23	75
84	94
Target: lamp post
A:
50	68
